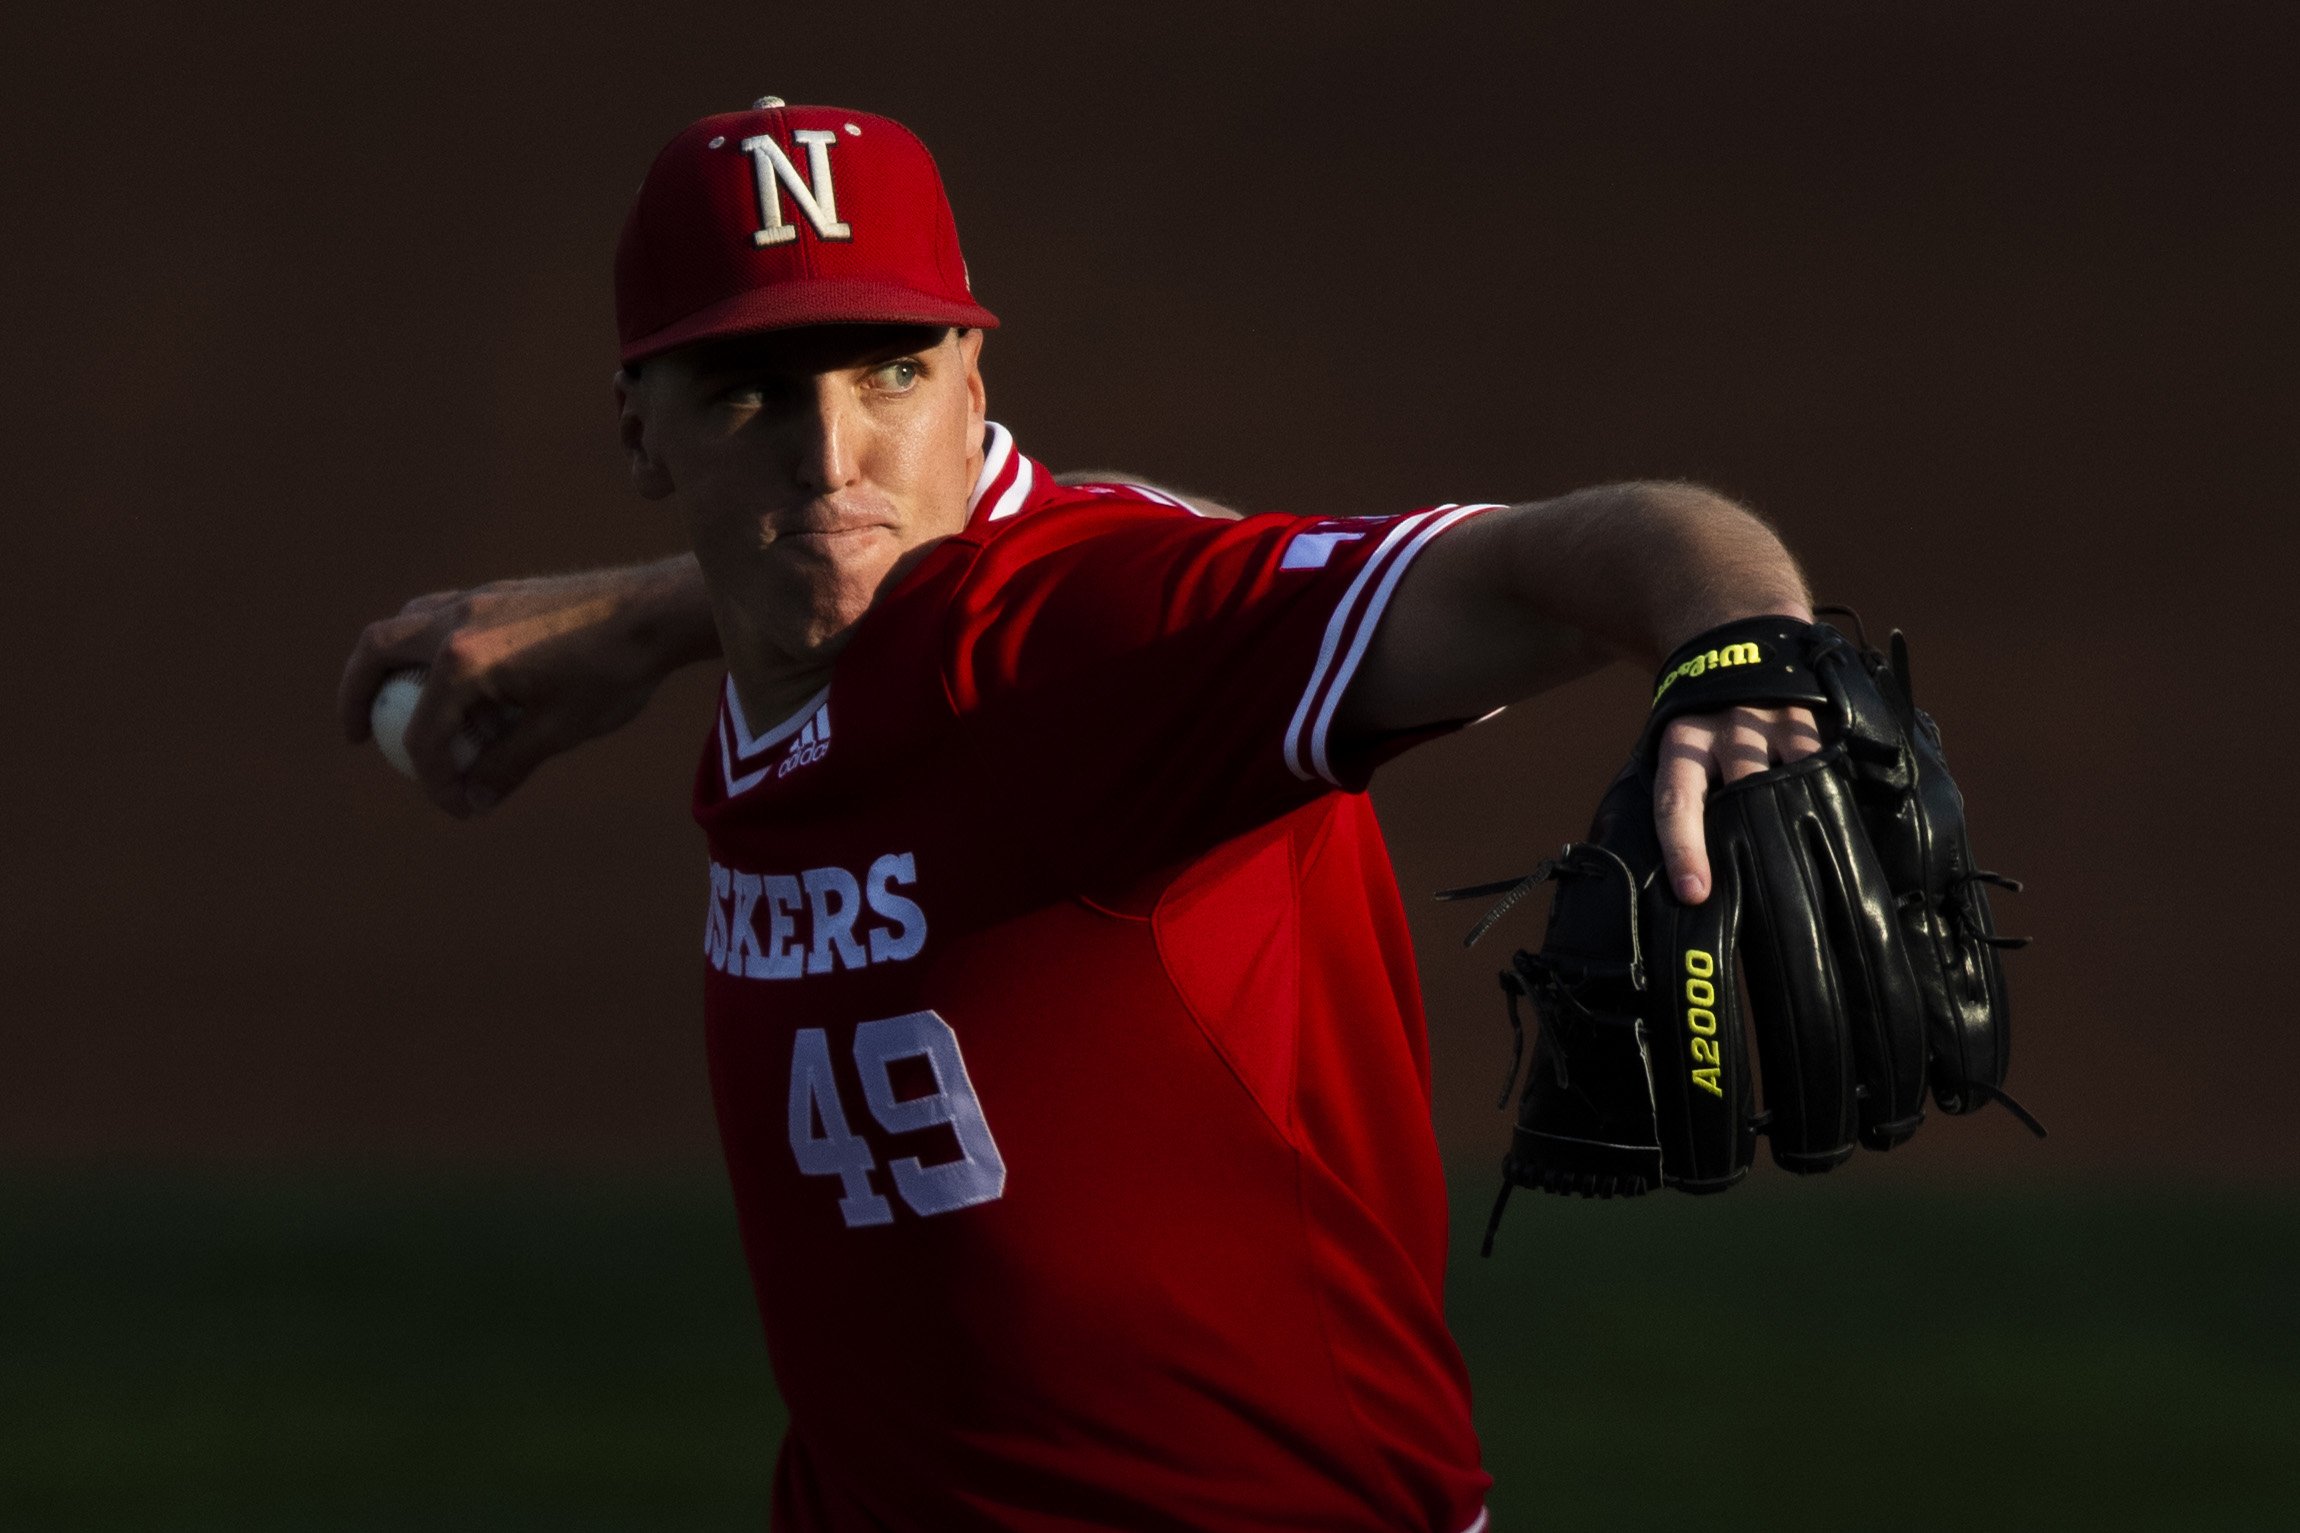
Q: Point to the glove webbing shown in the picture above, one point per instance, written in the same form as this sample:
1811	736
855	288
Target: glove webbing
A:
1530	973
1956	914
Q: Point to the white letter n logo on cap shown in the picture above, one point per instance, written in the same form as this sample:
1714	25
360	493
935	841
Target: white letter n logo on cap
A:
819	202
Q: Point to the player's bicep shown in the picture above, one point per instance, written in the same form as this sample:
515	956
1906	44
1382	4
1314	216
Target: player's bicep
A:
1467	631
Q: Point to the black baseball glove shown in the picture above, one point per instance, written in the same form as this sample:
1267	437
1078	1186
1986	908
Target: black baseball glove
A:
1847	927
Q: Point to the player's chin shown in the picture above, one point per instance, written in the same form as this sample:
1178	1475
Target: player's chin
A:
838	598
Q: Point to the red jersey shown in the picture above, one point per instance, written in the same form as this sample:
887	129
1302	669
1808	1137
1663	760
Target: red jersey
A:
1066	1043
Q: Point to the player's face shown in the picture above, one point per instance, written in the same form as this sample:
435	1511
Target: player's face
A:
812	465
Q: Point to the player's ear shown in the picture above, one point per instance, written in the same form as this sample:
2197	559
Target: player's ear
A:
649	475
977	408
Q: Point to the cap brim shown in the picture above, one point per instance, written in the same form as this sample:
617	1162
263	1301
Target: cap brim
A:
789	306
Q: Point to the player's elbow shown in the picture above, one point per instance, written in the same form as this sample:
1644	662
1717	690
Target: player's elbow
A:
1677	522
1683	503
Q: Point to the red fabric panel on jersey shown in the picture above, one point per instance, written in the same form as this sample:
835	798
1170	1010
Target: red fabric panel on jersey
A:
1067	1049
1229	932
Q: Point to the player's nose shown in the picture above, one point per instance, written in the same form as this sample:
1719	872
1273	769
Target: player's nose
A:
828	434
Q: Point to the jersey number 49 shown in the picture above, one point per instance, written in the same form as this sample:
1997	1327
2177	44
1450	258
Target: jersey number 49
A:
977	1176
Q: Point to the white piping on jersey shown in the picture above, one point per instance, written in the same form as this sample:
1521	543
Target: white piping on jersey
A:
998	446
1148	492
1025	480
1387	563
1479	1525
1332	641
747	744
998	451
1366	625
1152	492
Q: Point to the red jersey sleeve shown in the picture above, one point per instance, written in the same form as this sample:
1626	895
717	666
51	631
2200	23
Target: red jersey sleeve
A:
1151	681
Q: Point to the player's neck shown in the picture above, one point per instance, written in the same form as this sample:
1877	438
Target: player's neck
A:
772	688
777	662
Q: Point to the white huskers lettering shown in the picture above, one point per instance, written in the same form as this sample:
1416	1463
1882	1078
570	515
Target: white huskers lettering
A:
786	925
818	201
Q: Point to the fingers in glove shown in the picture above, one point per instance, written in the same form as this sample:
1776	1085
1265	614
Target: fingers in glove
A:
1699	751
1680	790
1831	993
1750	740
1796	1008
1744	745
1795	734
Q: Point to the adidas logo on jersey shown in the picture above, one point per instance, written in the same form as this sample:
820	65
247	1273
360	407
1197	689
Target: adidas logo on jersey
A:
811	745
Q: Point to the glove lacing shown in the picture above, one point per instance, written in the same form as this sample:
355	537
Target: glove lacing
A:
1551	985
1539	977
1964	926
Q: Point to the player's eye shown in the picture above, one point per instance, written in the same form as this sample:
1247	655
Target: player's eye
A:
898	376
756	394
742	394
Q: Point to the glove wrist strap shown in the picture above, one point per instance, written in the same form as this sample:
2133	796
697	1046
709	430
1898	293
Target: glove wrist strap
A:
1757	662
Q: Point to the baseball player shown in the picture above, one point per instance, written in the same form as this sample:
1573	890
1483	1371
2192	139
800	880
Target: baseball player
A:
1063	1029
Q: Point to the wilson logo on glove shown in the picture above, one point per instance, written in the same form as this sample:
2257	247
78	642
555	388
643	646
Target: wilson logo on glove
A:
1710	660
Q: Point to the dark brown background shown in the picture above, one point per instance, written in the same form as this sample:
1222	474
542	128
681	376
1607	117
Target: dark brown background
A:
1989	307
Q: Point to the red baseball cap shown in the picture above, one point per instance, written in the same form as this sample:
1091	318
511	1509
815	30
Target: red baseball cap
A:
784	216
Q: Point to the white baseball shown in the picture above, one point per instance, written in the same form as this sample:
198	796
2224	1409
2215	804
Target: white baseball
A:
394	705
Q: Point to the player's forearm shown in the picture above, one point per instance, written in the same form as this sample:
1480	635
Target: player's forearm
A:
1516	601
667	612
1639	568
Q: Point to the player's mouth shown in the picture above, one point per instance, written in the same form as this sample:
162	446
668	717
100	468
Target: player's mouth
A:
833	524
834	540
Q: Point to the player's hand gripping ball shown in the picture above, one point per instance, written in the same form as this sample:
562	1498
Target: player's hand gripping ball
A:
394	705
